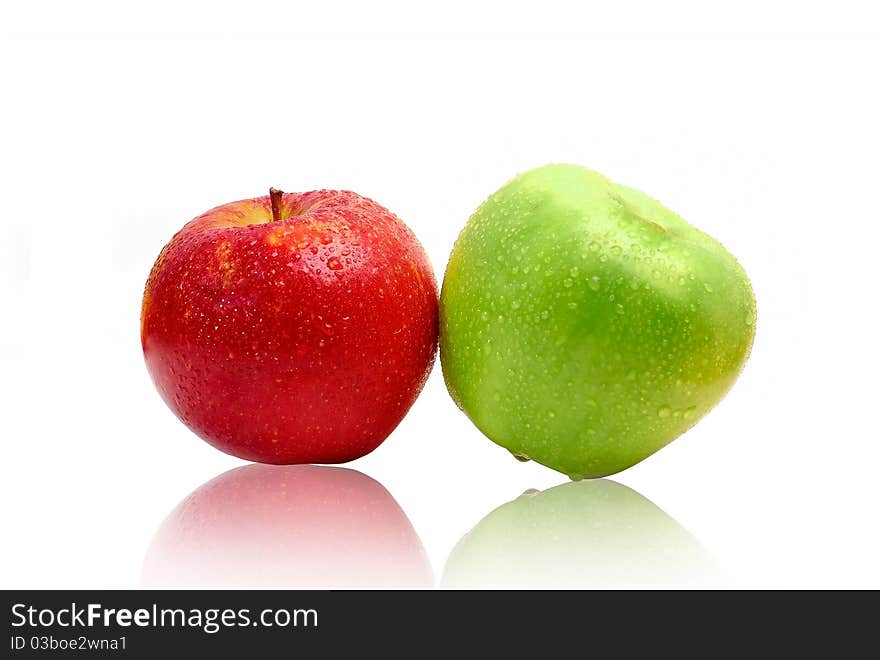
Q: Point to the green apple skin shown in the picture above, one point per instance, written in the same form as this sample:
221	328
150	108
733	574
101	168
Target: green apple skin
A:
578	535
584	326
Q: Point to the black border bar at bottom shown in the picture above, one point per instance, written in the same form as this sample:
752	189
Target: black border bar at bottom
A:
266	624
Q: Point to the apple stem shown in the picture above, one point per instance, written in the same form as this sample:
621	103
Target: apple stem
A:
275	196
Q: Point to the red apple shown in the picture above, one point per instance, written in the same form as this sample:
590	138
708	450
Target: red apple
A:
287	526
291	328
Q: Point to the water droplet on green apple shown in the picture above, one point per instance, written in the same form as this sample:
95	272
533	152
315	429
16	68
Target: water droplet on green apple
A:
664	411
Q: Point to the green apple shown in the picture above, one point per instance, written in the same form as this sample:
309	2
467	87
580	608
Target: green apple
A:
586	534
584	326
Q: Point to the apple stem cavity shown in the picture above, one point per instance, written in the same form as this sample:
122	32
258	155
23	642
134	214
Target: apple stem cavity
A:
275	196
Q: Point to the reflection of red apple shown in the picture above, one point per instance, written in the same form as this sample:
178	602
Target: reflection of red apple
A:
288	526
293	328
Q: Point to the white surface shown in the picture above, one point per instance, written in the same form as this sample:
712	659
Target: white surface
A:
769	144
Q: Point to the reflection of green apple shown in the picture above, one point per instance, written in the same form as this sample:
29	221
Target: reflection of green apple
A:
585	326
585	534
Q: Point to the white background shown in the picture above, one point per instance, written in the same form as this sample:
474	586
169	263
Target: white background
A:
758	126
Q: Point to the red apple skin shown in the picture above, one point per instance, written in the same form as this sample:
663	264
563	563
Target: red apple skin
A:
295	526
301	339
